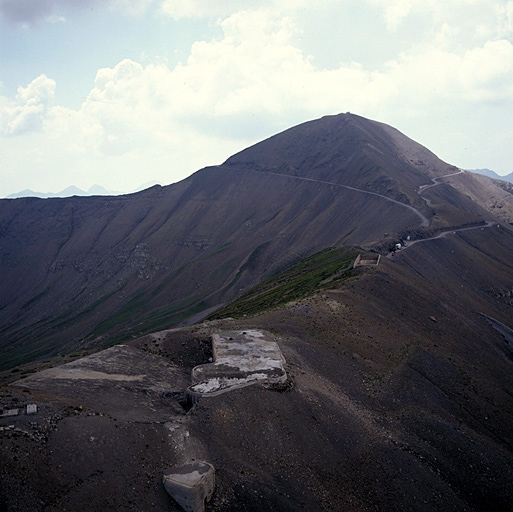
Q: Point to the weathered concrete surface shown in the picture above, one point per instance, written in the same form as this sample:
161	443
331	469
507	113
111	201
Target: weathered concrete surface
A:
32	409
191	485
241	358
122	381
9	413
106	428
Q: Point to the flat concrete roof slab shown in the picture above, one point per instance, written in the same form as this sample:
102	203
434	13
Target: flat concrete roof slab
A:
241	358
32	409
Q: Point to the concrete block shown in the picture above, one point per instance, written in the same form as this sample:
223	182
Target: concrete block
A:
31	409
191	485
11	412
241	358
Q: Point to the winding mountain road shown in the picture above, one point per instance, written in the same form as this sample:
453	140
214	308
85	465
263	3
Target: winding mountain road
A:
424	220
488	224
435	182
422	189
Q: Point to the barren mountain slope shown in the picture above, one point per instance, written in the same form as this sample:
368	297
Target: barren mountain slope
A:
349	150
78	273
84	269
399	398
496	196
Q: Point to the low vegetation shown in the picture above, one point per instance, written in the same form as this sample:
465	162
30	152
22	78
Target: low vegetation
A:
322	270
160	319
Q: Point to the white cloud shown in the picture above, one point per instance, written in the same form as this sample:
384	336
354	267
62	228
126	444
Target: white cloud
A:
430	74
467	20
255	71
395	11
505	20
180	9
487	72
130	7
252	81
29	109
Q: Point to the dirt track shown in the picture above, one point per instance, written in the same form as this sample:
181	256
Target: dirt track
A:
424	220
407	245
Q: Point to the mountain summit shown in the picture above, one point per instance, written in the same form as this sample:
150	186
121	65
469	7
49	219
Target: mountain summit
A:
349	150
82	272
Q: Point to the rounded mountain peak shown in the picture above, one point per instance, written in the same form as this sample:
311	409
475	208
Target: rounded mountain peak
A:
346	149
333	140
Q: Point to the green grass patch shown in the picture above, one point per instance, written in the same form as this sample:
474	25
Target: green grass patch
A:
124	315
97	302
163	318
322	270
167	316
19	355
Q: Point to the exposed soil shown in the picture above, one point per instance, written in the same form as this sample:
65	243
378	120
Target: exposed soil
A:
399	398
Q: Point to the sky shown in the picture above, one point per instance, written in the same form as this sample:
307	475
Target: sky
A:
125	92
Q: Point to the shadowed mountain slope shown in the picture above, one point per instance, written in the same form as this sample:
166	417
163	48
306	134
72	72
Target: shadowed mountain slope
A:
79	273
398	398
401	396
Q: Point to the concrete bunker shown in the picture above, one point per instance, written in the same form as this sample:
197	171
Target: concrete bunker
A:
241	358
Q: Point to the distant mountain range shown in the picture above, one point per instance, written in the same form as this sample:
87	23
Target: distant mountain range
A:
494	175
95	190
